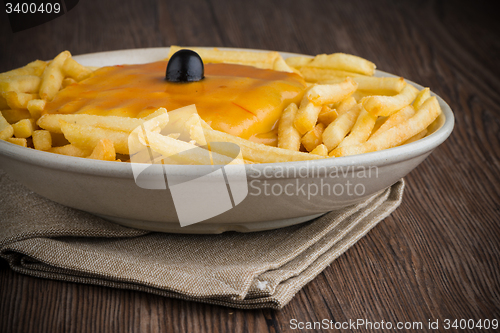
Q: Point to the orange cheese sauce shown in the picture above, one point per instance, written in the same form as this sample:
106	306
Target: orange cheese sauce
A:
240	100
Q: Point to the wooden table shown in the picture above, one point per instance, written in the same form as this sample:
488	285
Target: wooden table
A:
436	257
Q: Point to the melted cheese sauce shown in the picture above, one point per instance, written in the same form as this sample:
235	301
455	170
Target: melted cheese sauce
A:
241	100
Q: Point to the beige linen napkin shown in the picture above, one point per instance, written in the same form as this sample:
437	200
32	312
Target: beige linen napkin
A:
255	270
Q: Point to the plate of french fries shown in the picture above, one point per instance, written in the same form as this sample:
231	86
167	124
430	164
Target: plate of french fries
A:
354	132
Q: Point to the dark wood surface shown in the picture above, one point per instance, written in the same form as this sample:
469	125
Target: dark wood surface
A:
436	257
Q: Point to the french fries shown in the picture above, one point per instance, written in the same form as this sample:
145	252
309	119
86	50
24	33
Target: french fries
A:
344	62
70	150
394	119
345	110
313	74
298	62
345	105
416	137
387	105
340	127
18	100
331	93
29	84
18	141
52	122
421	98
35	68
264	60
87	137
42	140
23	128
35	108
74	70
361	129
398	134
282	66
104	150
6	129
3	103
53	76
288	136
307	116
13	116
313	138
252	151
184	152
320	150
316	97
67	82
380	85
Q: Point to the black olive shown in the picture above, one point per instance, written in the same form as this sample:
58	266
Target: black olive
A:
185	66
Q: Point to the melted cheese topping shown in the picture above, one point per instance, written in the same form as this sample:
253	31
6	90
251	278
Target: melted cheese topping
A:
240	100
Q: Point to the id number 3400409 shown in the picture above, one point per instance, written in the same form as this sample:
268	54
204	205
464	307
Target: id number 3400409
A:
32	8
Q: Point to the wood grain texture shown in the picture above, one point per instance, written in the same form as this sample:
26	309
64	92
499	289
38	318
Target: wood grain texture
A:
436	257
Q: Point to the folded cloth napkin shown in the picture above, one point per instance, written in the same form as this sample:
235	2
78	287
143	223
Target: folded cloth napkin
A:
266	269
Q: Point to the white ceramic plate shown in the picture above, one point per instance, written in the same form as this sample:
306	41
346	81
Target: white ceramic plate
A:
278	194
